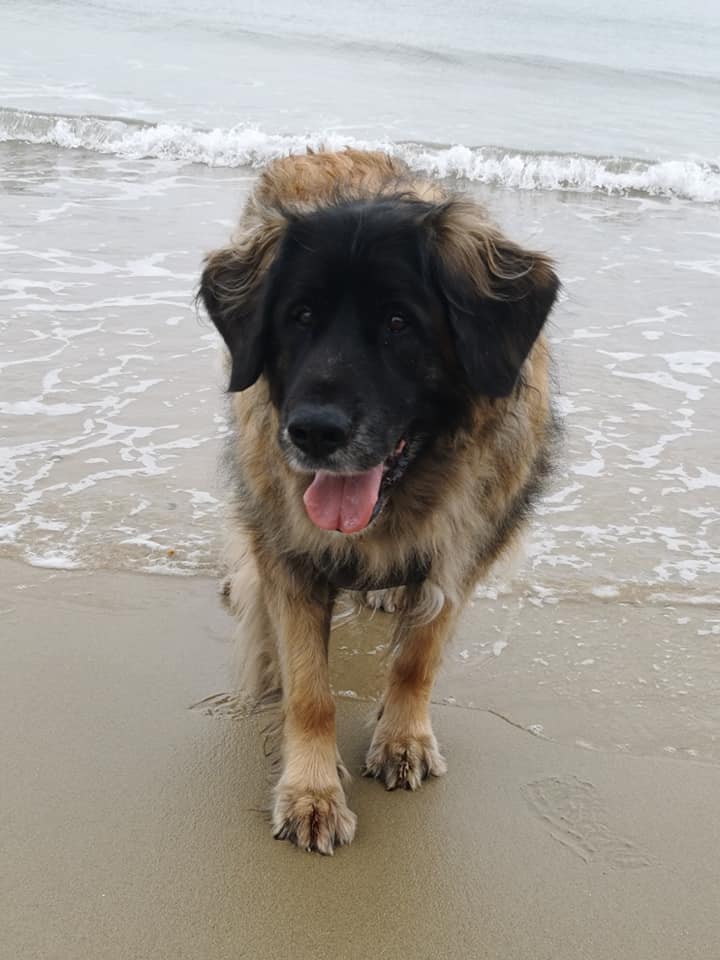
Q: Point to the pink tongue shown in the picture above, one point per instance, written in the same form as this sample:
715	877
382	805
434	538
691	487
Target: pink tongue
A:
343	502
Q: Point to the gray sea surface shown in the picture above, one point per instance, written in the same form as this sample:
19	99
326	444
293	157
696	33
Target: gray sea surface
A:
640	80
542	95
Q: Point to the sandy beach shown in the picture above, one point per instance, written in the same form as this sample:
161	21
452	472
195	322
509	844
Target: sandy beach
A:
134	827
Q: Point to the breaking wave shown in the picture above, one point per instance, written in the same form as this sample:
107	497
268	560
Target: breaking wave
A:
243	145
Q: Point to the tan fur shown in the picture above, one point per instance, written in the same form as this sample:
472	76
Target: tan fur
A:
457	515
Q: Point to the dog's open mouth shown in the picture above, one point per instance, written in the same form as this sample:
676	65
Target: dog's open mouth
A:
348	502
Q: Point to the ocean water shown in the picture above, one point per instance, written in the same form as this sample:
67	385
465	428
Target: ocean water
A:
129	136
557	93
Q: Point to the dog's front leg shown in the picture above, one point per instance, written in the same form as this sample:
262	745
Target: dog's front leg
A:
404	749
309	803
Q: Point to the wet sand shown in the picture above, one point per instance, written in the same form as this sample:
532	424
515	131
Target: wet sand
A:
133	822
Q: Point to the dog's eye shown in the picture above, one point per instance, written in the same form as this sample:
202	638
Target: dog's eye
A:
303	316
397	322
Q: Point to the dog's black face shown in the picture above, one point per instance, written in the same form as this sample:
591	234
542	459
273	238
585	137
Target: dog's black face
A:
371	344
355	355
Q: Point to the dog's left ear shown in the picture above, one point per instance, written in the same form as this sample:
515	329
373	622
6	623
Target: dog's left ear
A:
498	295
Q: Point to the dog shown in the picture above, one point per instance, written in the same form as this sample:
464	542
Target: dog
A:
392	426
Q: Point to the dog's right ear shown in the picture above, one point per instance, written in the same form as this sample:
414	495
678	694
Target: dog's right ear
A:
231	289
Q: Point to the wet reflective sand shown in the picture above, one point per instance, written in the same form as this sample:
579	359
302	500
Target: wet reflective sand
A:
135	825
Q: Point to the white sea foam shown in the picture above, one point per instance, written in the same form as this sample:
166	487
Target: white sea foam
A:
244	145
697	362
605	591
53	560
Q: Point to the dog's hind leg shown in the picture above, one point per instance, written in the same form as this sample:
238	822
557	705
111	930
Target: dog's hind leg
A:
256	669
309	804
404	749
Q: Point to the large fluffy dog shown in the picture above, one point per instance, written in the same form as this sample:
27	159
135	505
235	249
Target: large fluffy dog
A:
392	424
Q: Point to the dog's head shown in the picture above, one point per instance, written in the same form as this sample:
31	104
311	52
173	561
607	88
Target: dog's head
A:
375	323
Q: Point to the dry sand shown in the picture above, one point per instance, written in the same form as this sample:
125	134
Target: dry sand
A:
132	824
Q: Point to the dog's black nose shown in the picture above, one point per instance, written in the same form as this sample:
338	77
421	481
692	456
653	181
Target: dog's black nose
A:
318	430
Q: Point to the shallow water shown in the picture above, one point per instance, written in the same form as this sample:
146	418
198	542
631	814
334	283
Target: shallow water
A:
113	415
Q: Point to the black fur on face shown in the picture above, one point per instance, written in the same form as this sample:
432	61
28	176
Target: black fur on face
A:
375	324
355	328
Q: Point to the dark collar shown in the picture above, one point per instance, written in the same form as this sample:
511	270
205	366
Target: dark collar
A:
347	576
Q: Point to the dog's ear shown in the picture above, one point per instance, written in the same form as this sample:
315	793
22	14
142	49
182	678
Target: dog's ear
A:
498	295
231	289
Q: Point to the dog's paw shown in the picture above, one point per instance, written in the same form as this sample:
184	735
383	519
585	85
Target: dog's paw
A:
389	601
404	762
313	820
